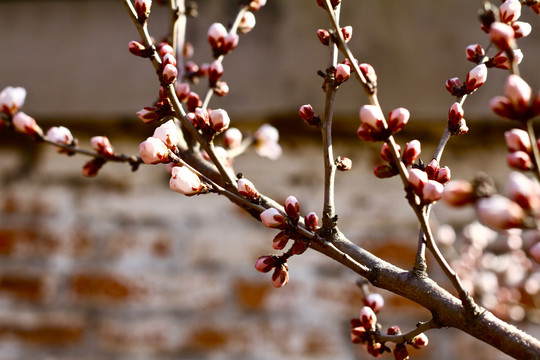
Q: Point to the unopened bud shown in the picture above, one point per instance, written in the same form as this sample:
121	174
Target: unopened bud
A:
458	193
368	319
502	35
307	114
324	36
247	23
519	160
359	335
280	277
455	87
280	240
371	116
417	179
475	53
375	301
26	124
272	218
265	263
385	171
232	138
219	120
12	99
137	49
517	140
142	8
420	341
412	152
193	101
432	191
185	181
170	72
342	73
397	119
91	167
312	221
455	114
292	207
523	191
168	133
221	88
499	212
343	163
102	145
215	71
476	78
60	135
153	151
247	189
347	33
369	73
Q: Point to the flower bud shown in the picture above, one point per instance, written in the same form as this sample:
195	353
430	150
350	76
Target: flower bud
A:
368	319
400	352
219	120
385	171
266	142
255	5
475	53
272	218
523	191
102	145
280	277
510	11
476	78
12	99
202	118
221	88
193	101
454	86
60	135
342	73
443	175
502	35
216	35
26	124
265	263
168	59
230	43
343	163
182	90
420	341
517	140
521	29
432	191
91	167
137	49
142	8
412	152
185	181
153	151
397	119
417	179
386	153
499	212
232	138
299	247
307	114
519	160
170	72
324	36
432	168
359	335
455	114
393	330
518	92
280	240
371	116
247	23
347	33
369	73
247	189
168	133
164	48
292	207
215	71
458	193
312	221
375	301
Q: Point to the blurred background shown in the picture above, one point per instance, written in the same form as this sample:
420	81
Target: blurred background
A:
119	267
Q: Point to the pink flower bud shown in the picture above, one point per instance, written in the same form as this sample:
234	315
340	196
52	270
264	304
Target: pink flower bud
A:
292	207
455	114
400	352
499	212
12	99
193	101
417	179
185	181
458	193
266	142
230	43
216	35
215	71
347	33
342	73
182	90
142	8
255	5
102	145
232	138
385	171
299	247
432	168
168	59
412	152
247	23
518	92
359	335
148	114
219	120
519	160
312	221
265	263
476	78
365	133
368	319
375	301
91	167
386	153
502	106
443	175
307	114
502	35
369	73
343	163
202	118
521	29
393	330
371	116
454	86
535	252
137	49
523	191
510	11
247	189
272	218
420	341
280	277
475	53
221	88
397	119
60	135
432	191
153	151
164	48
168	133
517	140
26	124
324	36
170	72
280	240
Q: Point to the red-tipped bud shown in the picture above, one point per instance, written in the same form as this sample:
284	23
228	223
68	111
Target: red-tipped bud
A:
312	221
219	120
369	73
523	191
26	124
102	145
193	101
397	119
91	167
221	88
502	106
182	90
170	72
386	153
292	207
475	53
432	191
137	49
307	114
12	99
417	179
185	181
510	11
60	135
148	114
393	330
359	335
518	92
432	168
400	352
324	36
142	8
375	301
476	78
342	73
385	171
517	140
343	163
521	29
168	133
216	35
458	193
455	87
347	33
519	160
265	263
412	152
168	59
455	114
202	118
420	341
232	138
368	319
164	48
280	277
280	240
153	151
499	212
215	71
299	247
247	23
502	35
443	175
371	116
255	5
272	218
247	189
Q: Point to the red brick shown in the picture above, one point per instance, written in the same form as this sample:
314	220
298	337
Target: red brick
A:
105	287
22	286
251	294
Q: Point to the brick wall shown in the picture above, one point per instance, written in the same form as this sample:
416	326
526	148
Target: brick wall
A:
120	267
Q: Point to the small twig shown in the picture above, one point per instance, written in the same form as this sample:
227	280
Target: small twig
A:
535	151
178	33
421	327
